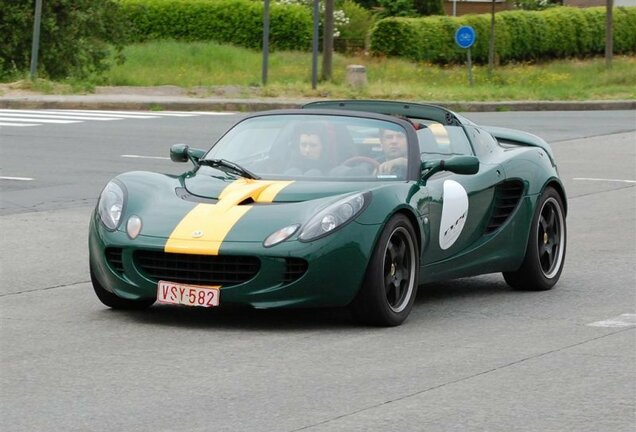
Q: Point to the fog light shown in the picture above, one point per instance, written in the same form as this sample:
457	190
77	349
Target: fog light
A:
280	236
133	227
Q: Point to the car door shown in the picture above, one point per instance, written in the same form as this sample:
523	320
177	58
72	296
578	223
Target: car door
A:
460	206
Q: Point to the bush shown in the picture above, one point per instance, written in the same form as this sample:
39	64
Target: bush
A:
76	37
239	22
356	31
520	35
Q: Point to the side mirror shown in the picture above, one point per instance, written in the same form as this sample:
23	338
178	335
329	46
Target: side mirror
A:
183	153
457	164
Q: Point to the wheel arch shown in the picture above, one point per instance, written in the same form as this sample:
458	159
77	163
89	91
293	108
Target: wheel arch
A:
416	226
556	184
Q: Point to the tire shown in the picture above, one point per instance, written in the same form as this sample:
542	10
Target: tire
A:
111	300
390	284
545	252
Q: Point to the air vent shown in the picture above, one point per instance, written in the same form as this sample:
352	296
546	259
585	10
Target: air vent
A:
113	256
507	196
295	268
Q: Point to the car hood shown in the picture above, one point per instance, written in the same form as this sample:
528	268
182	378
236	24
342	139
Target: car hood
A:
225	210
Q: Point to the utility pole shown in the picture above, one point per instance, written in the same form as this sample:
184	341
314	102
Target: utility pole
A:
327	41
491	42
609	43
35	46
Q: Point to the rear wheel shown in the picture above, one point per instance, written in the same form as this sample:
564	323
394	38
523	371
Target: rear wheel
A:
545	252
390	284
111	300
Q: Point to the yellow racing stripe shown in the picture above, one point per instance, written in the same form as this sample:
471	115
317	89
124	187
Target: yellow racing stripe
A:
204	228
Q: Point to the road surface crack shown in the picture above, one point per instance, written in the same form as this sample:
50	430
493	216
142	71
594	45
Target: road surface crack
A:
599	192
618	132
43	289
498	368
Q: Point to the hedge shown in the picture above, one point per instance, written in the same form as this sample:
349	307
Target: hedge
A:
519	35
239	22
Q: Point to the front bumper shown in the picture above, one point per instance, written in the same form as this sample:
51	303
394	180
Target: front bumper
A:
335	270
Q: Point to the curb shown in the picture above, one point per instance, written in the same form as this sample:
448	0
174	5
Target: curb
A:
155	103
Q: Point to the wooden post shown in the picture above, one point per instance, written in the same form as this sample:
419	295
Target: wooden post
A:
491	43
327	41
609	43
35	46
314	55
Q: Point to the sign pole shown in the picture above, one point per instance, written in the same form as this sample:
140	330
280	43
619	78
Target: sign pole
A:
465	38
35	47
470	67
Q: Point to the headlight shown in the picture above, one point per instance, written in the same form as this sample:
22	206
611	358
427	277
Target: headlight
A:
334	216
111	205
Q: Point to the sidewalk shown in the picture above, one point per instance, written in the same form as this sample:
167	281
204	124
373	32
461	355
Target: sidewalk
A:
164	99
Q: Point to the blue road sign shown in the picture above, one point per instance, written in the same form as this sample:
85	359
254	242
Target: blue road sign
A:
465	36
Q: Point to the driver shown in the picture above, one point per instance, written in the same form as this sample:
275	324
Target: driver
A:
394	149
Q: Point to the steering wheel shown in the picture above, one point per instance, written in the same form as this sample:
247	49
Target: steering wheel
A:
352	161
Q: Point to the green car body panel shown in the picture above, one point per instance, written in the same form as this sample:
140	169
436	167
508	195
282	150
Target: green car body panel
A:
337	262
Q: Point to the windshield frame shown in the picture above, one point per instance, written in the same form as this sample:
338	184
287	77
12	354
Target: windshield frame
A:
413	153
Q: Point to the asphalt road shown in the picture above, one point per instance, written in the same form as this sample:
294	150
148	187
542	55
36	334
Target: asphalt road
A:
473	355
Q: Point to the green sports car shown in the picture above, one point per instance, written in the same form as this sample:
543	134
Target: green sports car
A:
340	203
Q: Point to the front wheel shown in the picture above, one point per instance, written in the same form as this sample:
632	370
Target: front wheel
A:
390	284
111	300
545	252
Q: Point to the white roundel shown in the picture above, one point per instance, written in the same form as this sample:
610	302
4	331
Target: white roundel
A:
454	213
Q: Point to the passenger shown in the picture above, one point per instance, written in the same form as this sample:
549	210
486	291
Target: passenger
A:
310	155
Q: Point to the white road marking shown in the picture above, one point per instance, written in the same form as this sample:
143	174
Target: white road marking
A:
150	113
604	180
145	157
216	113
37	117
12	119
624	320
17	124
17	118
82	113
16	178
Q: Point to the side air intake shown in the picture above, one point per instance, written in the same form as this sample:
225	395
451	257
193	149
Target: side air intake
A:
507	197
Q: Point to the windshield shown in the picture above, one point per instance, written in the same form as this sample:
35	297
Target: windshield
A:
315	147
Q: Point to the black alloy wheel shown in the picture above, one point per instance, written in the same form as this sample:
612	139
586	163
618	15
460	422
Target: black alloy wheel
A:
390	284
545	250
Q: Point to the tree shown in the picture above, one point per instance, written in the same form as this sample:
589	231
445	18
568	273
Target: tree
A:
76	37
429	7
399	8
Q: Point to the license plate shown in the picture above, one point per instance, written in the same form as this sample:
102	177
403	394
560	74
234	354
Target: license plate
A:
189	295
